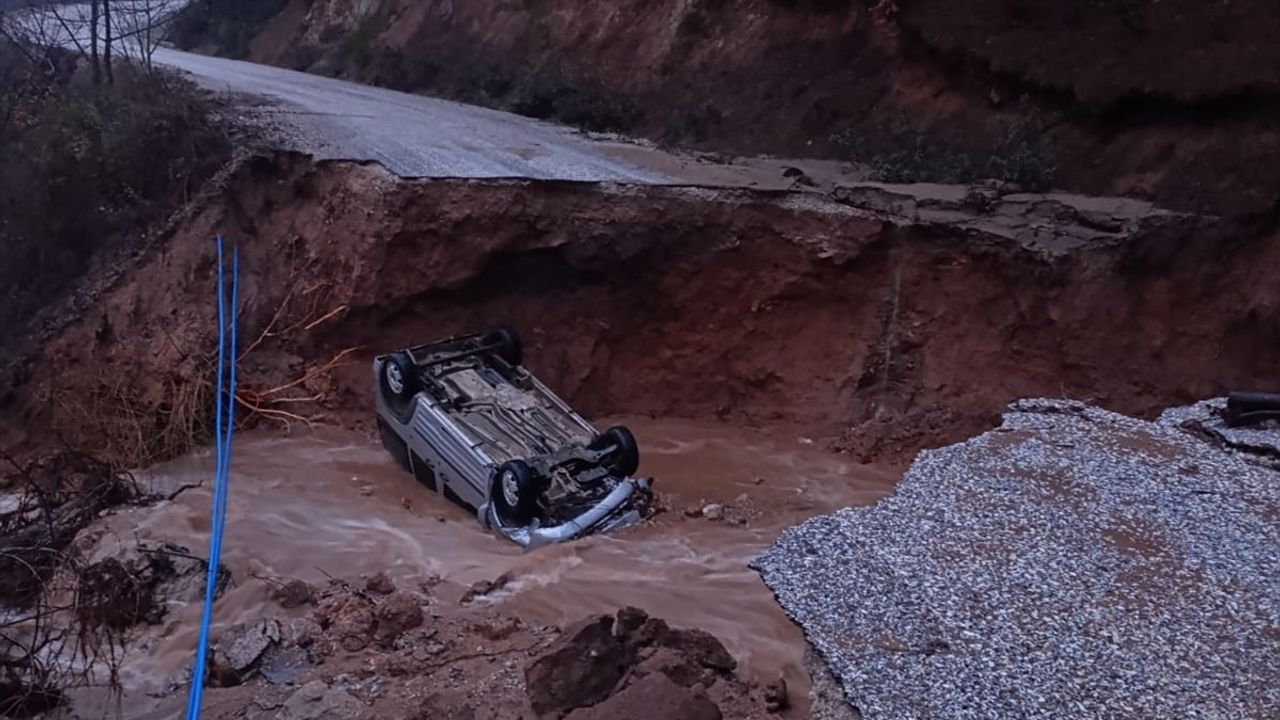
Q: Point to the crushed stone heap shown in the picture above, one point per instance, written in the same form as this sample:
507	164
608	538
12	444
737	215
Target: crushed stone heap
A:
1071	563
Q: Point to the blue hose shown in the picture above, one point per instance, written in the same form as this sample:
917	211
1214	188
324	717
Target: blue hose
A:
222	464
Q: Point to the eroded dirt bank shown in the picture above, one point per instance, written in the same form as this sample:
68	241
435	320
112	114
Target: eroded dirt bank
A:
884	320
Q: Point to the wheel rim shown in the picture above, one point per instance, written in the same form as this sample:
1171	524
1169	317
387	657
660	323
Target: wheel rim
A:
395	381
510	488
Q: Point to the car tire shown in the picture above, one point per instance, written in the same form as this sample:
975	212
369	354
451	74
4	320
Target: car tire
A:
399	380
625	459
508	344
514	493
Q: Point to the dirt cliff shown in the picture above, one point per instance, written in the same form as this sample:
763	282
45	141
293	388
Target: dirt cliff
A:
1104	98
894	316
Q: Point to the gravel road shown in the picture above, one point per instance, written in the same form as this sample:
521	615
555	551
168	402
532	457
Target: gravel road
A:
1074	563
417	136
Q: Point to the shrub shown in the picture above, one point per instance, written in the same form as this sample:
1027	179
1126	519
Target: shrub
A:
87	169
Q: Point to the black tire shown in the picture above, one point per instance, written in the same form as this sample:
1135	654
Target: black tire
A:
508	343
625	459
514	492
399	381
1247	408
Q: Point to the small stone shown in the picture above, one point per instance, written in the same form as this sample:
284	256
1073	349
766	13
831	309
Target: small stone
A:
485	587
693	511
758	481
366	490
294	593
713	511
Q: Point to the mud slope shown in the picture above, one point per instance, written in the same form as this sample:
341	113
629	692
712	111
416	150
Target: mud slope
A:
893	317
1175	101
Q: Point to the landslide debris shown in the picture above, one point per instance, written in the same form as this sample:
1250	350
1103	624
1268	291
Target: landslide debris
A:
413	661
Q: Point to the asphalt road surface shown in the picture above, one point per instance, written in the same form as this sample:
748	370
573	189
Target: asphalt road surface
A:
417	136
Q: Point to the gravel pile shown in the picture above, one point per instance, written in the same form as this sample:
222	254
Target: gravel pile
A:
1073	563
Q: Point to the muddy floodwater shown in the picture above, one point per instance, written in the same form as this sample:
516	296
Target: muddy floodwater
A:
332	504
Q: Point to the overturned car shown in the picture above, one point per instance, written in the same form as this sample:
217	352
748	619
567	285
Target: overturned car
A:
469	421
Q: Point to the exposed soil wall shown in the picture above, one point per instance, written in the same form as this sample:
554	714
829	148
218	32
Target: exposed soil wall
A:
886	322
1107	98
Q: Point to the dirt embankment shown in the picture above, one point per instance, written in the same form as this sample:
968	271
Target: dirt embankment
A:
885	321
1174	101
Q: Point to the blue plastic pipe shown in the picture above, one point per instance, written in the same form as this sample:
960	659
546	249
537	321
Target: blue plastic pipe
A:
222	463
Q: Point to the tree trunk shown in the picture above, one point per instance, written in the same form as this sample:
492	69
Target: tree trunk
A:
94	11
106	50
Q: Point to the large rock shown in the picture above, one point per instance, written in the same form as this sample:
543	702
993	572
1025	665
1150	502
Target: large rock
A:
395	614
580	669
653	697
642	635
348	618
238	654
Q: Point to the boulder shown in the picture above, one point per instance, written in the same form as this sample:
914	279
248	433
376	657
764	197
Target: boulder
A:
579	669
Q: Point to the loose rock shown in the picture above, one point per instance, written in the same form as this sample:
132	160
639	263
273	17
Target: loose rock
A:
317	701
580	669
294	593
396	614
380	584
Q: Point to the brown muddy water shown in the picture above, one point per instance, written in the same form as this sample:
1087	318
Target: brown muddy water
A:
333	504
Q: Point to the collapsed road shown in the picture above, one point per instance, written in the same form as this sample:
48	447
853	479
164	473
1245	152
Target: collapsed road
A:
417	136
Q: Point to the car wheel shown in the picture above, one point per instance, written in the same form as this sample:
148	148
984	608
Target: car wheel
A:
399	380
625	459
508	344
514	493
